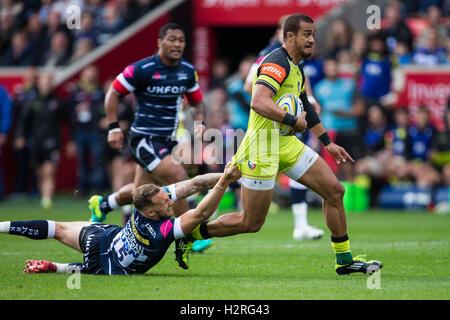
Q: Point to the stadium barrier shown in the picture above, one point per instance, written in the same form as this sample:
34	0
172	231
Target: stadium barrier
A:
411	198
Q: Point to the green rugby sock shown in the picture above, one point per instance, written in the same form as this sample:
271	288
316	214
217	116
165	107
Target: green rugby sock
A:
341	247
200	232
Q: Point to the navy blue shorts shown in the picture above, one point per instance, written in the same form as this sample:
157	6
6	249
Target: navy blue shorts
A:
89	241
148	151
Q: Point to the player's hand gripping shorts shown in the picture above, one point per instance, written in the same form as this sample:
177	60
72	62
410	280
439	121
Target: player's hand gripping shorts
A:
264	153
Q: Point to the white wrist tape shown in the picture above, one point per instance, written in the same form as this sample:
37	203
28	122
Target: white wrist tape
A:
114	130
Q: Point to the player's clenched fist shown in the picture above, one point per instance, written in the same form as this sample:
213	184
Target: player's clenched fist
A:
300	125
232	172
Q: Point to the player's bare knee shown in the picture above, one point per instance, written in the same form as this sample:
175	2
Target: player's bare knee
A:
177	175
180	174
336	194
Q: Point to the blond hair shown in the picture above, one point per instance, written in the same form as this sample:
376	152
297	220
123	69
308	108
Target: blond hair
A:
142	196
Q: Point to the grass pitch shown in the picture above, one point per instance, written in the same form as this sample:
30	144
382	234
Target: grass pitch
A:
268	265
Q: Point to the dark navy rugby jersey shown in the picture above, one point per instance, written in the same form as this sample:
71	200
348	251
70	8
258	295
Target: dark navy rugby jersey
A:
159	90
140	245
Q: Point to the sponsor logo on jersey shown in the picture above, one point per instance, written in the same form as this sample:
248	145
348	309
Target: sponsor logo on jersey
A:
166	227
166	89
128	235
274	71
251	165
182	76
136	233
162	150
128	71
150	229
159	76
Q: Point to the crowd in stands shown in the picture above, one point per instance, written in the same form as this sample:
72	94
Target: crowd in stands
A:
54	33
351	80
39	118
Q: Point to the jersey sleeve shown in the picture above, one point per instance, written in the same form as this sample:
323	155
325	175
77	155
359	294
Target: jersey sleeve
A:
128	80
193	93
272	71
177	232
171	229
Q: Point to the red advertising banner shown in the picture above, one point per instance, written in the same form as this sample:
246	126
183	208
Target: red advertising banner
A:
257	12
428	87
203	54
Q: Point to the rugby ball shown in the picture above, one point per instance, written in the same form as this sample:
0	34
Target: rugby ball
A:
291	104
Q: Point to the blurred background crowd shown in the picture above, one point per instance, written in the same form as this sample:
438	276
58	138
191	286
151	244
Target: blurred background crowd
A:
35	33
352	79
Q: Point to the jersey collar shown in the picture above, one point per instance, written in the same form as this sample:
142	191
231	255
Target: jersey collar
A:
158	60
290	58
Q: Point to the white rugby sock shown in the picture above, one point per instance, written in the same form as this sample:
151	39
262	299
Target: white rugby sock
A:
61	267
51	229
4	226
112	202
300	212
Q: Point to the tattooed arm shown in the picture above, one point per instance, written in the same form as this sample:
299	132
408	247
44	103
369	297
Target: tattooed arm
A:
203	182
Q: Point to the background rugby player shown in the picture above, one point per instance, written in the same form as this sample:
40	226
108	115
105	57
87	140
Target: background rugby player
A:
159	83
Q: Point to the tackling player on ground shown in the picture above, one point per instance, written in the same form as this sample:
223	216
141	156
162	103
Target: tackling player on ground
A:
279	73
142	242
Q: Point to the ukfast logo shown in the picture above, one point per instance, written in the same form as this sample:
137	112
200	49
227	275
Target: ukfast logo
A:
166	89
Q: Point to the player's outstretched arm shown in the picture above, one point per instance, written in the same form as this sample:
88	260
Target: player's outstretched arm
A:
210	202
115	134
202	182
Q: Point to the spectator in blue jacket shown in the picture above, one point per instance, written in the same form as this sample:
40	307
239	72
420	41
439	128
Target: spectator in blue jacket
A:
376	69
430	52
421	136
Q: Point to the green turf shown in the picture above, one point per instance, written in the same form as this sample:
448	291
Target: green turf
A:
414	248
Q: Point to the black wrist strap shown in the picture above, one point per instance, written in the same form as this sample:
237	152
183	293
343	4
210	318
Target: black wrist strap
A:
325	138
289	119
113	125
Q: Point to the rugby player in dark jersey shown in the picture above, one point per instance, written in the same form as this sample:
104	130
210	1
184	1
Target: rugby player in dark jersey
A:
142	243
159	84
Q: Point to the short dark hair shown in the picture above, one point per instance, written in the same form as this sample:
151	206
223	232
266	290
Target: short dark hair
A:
292	23
169	26
142	196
